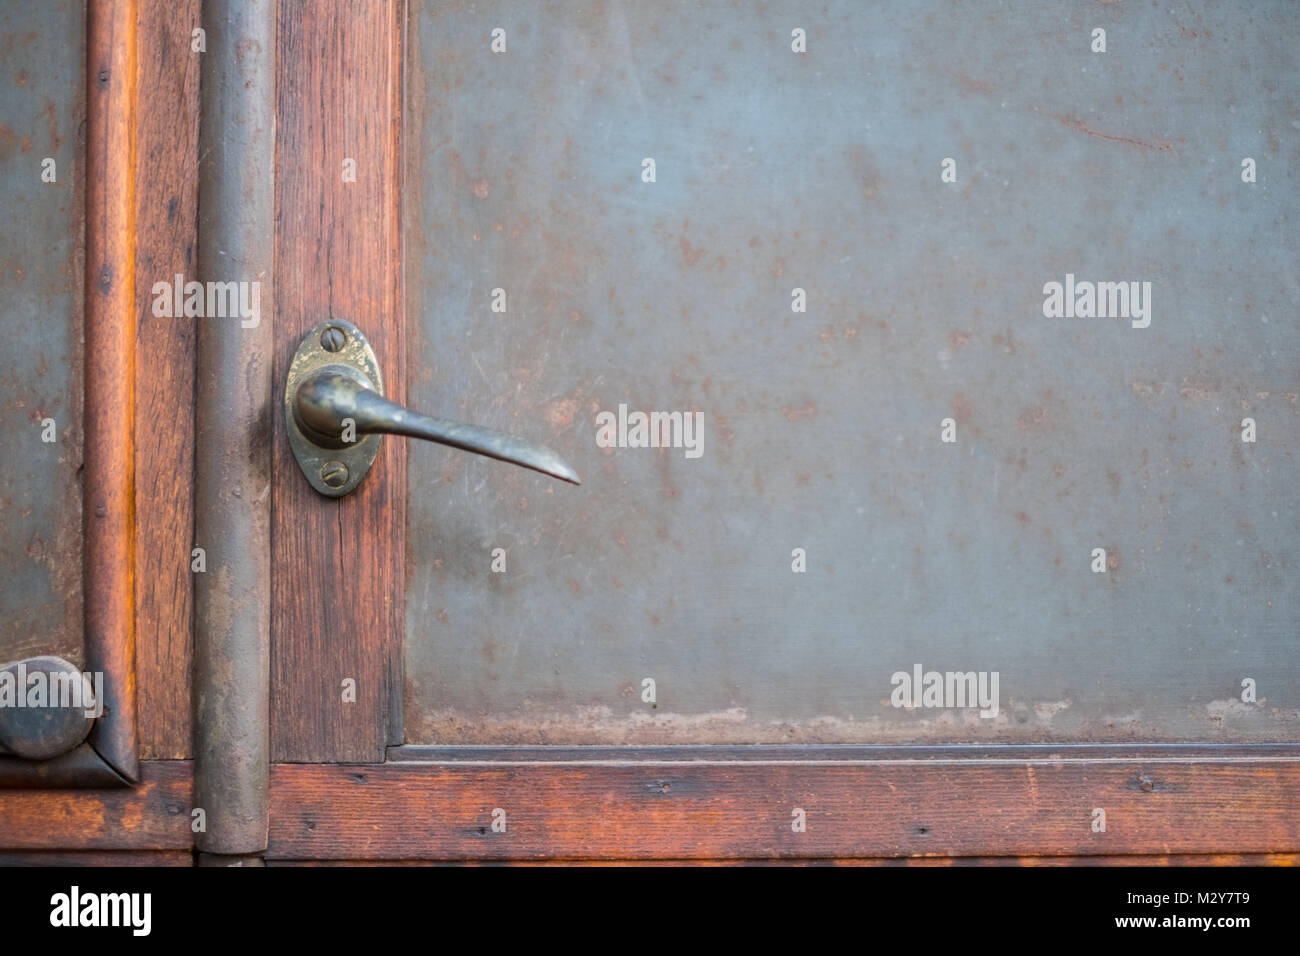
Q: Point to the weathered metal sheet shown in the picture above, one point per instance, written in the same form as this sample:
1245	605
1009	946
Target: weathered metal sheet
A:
42	104
821	171
232	450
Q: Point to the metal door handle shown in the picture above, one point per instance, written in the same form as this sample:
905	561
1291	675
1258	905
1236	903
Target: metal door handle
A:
335	412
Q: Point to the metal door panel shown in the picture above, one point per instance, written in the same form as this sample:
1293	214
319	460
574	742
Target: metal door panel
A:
42	52
777	170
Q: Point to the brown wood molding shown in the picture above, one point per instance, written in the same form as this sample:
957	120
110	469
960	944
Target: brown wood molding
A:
1200	810
1190	859
155	814
337	592
97	858
109	394
108	503
1039	804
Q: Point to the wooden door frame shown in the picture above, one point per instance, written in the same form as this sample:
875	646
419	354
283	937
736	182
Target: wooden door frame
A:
357	795
139	224
108	756
1164	804
417	803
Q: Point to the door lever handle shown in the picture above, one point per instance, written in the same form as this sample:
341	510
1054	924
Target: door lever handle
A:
335	412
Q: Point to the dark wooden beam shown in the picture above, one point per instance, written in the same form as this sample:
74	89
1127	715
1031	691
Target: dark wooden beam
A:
695	809
155	814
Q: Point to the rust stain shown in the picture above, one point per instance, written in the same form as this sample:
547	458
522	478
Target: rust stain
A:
722	428
52	125
1078	125
561	412
1192	388
1031	417
865	172
689	253
972	85
804	412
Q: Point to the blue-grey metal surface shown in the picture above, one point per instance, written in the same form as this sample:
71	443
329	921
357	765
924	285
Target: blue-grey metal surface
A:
925	301
42	53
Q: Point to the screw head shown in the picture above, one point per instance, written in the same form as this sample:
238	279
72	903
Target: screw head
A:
333	339
334	474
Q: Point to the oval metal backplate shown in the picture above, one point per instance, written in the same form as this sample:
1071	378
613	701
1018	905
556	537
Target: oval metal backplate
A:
334	472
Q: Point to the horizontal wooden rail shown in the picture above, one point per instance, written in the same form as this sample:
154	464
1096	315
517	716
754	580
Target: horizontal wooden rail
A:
1201	809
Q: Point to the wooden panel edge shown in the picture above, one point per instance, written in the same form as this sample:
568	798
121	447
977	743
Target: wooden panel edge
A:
108	505
744	810
155	814
168	858
1189	859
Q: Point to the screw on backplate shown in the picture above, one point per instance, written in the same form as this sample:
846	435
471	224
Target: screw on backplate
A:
332	339
1146	783
334	474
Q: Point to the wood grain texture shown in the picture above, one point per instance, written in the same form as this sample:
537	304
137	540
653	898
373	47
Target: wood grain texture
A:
737	811
1190	859
167	241
338	580
152	815
109	504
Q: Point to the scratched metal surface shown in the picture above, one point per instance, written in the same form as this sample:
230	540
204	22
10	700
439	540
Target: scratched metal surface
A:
42	51
925	301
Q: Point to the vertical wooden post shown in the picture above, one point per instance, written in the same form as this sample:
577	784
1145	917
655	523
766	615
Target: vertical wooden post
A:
339	605
109	488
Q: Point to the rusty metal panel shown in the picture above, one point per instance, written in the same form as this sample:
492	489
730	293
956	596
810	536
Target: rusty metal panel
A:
42	52
926	300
